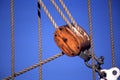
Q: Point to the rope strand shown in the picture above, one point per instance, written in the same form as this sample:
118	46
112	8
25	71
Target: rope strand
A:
111	33
34	66
64	18
12	37
68	13
39	42
61	13
48	14
91	38
72	19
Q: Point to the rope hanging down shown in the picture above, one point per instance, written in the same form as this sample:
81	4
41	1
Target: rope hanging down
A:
34	66
111	33
45	61
91	38
39	42
48	14
12	37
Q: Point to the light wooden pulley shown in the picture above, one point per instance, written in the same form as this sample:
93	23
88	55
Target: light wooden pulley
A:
71	43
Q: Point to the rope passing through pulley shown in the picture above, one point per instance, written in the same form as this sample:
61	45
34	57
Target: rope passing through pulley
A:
70	43
72	39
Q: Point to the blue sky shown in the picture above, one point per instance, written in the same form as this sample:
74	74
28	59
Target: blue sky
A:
26	38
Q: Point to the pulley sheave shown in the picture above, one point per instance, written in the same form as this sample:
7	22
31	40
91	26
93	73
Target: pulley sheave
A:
69	42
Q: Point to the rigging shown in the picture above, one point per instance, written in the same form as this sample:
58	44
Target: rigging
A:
72	40
39	42
12	38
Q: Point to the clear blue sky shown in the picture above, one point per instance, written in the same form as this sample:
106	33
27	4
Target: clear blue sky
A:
26	38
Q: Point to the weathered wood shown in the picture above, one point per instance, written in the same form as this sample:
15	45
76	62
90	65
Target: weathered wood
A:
70	43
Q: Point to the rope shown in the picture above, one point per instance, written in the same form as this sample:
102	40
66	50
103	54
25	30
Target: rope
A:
111	33
34	66
77	30
91	38
64	18
39	42
48	14
69	14
61	14
71	18
12	37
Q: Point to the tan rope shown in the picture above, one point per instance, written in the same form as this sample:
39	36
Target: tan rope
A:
71	18
69	14
48	14
64	18
61	14
78	30
34	66
39	42
91	38
12	36
111	33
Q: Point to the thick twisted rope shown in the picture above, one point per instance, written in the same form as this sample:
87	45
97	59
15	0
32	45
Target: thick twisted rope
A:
111	33
71	18
91	38
65	19
69	14
39	42
12	37
61	14
47	13
34	66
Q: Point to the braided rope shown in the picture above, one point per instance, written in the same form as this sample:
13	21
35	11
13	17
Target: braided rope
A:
71	18
62	15
78	30
91	38
48	14
69	14
12	37
34	66
111	33
64	18
39	42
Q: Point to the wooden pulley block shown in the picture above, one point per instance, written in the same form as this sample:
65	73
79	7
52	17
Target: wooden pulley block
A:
69	42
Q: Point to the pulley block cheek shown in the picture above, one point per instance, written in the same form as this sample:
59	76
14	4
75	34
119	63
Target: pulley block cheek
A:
70	43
